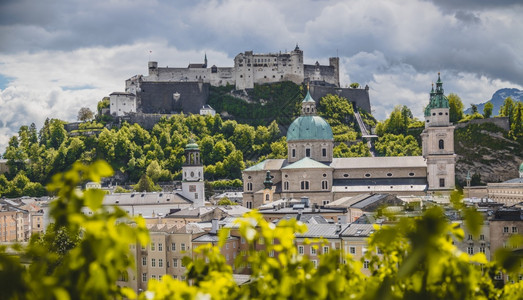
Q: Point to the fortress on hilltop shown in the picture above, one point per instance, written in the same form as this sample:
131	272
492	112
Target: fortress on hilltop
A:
167	90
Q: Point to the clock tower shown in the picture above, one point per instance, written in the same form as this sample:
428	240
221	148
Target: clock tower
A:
193	186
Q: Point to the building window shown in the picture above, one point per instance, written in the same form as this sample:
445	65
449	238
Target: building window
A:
160	263
442	182
505	229
267	197
144	261
324	152
152	246
470	250
144	277
324	185
175	263
271	254
308	152
352	250
249	204
366	264
286	185
293	152
314	263
160	247
482	248
367	175
301	250
514	229
183	247
153	276
469	237
249	186
173	246
441	144
153	262
325	249
325	202
304	185
482	237
313	250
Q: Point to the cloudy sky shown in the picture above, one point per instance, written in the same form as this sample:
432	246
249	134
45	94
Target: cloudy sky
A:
59	55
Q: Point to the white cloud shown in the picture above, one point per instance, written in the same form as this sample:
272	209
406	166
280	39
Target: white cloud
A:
56	84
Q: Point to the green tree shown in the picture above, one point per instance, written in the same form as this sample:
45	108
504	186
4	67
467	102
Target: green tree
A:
226	201
474	108
354	85
145	184
487	110
516	129
507	109
455	108
397	145
85	114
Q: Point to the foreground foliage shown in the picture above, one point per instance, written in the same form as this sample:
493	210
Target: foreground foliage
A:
82	256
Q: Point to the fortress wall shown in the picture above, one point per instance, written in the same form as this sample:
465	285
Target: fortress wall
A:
360	97
157	97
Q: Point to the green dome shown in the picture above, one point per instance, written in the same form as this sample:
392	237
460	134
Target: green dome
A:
309	128
192	145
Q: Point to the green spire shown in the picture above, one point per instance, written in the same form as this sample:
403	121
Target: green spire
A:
437	97
191	145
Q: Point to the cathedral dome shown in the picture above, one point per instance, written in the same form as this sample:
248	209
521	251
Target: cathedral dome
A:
309	128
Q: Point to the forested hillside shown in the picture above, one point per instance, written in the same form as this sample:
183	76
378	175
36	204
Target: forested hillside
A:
228	145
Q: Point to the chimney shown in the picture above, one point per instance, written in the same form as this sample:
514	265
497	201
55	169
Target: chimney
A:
214	228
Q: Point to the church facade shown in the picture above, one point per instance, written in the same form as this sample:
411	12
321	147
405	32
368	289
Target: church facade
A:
311	171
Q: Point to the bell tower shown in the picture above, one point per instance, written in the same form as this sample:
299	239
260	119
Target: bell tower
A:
193	186
438	141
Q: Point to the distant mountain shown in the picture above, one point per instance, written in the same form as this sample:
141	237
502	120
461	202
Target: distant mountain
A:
498	98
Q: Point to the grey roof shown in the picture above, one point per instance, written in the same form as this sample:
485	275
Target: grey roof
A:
268	165
514	180
307	163
356	230
347	201
211	238
145	198
379	162
383	185
307	210
308	218
328	231
376	199
196	212
171	228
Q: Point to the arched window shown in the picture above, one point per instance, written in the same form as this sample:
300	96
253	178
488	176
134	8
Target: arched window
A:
324	185
308	152
286	185
249	186
267	197
441	144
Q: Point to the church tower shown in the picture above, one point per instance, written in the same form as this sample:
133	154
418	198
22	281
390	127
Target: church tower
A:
438	141
193	187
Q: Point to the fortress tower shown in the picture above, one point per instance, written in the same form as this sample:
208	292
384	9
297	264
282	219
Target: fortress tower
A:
438	141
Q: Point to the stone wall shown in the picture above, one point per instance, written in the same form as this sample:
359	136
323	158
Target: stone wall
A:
358	97
501	122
